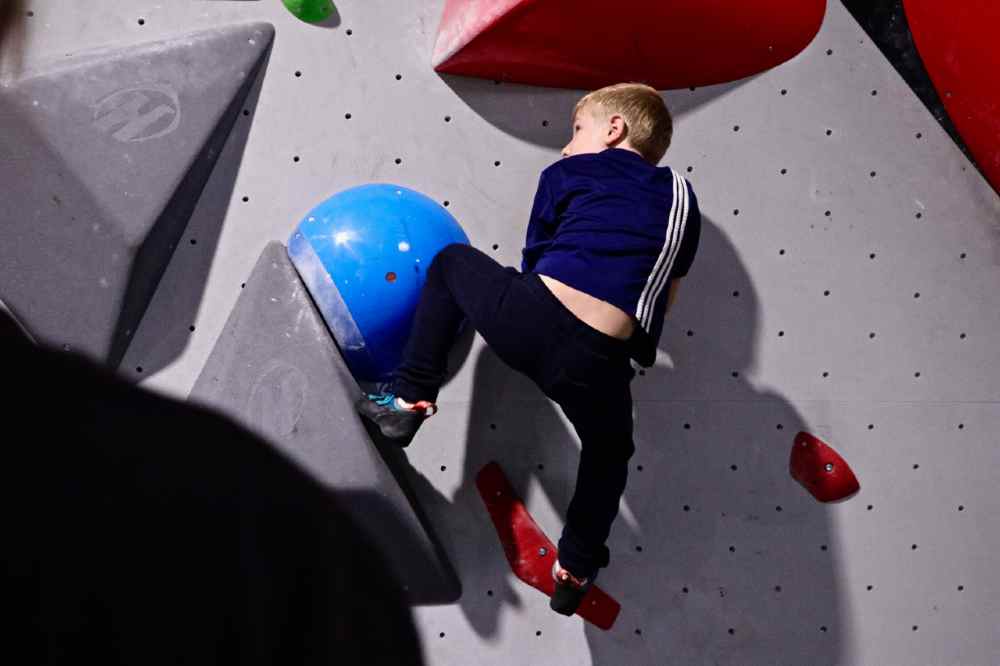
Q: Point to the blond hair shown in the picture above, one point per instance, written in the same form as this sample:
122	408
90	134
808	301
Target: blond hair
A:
647	119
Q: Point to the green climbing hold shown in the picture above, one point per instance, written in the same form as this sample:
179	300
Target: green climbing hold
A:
310	11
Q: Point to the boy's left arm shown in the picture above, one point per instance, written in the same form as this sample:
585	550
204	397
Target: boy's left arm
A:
542	223
689	247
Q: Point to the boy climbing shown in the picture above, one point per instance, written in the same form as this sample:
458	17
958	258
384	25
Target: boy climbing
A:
609	237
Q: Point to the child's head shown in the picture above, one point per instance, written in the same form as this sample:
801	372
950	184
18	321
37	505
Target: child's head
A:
625	115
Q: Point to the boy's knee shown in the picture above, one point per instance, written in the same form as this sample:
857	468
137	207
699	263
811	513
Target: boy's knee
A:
447	254
452	249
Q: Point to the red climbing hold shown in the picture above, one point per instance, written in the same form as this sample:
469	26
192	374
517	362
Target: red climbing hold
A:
821	470
589	44
531	553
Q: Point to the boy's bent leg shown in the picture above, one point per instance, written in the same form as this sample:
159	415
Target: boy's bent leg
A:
462	282
605	430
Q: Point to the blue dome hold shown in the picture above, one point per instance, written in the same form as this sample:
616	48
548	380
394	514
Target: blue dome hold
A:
363	254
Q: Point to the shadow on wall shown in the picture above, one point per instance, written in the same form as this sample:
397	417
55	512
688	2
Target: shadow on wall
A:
684	593
543	116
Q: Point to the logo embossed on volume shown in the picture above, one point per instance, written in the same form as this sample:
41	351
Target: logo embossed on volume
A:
139	114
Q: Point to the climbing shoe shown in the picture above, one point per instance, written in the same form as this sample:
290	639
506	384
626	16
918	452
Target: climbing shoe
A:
570	590
397	423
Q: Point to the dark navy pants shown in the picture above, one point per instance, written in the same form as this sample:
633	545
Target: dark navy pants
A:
586	372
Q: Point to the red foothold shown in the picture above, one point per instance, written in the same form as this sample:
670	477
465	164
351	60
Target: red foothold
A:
821	470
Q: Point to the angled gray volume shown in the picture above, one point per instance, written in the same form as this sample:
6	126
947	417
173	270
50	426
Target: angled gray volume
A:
276	369
102	159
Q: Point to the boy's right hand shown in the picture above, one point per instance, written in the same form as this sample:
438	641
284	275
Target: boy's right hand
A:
675	284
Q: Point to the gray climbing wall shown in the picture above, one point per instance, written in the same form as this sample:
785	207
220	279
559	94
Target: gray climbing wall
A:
104	156
854	294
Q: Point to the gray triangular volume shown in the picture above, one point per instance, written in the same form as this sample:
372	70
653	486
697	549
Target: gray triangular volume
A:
276	370
102	158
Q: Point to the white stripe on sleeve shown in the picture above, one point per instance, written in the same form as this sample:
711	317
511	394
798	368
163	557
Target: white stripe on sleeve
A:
675	249
677	220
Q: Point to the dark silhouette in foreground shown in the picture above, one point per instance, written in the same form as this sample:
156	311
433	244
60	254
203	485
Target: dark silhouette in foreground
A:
142	530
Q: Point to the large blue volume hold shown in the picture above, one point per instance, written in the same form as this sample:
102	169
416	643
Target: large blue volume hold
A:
363	254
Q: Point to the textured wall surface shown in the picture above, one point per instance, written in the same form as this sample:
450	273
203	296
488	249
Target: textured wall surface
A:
848	283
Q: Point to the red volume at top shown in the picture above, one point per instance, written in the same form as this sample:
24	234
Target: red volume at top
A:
957	42
589	44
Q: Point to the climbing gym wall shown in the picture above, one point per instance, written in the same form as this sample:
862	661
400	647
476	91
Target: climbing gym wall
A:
847	284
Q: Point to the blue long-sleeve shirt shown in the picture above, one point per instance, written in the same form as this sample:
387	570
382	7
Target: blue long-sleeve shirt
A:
616	227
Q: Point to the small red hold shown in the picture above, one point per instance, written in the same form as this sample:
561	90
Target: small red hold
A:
821	470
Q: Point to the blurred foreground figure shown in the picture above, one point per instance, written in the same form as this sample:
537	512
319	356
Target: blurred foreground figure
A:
142	530
11	12
12	16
